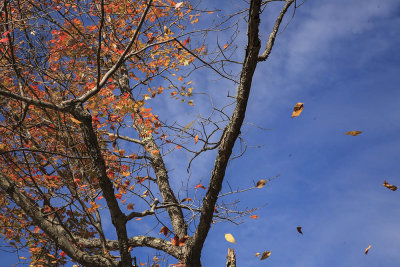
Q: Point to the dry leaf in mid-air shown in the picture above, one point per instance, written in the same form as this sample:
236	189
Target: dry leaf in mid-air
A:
261	183
299	230
254	216
354	133
367	249
265	255
298	108
187	126
257	254
389	186
230	238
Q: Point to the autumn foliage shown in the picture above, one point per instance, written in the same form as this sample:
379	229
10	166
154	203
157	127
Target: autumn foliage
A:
79	140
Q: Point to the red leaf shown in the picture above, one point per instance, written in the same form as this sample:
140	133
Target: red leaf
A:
63	254
118	195
4	40
186	41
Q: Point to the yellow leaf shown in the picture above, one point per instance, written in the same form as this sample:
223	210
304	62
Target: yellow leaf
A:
126	173
265	255
298	108
354	133
187	126
389	186
230	238
23	258
257	254
367	249
190	102
261	183
178	5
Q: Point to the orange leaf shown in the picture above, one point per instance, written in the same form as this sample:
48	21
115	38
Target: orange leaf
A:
354	133
186	199
298	108
155	152
200	186
225	46
254	216
130	206
175	241
196	138
178	147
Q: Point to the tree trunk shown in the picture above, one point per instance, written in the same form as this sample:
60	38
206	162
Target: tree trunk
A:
231	258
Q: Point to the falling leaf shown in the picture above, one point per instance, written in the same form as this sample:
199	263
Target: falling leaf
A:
186	199
200	186
225	46
367	249
298	108
178	147
389	186
299	230
354	133
230	238
130	206
164	230
190	102
254	216
261	183
265	255
196	138
257	254
187	126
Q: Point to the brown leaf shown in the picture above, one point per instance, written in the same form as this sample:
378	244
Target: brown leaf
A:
265	255
298	108
354	133
164	230
186	199
261	183
187	126
299	230
367	249
389	186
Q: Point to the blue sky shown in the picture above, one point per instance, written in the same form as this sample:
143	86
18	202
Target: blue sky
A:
341	59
